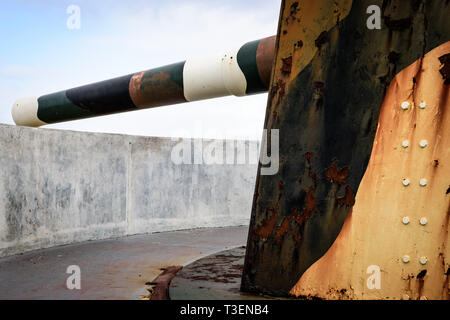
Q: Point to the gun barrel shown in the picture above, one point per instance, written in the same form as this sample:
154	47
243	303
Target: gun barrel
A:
242	71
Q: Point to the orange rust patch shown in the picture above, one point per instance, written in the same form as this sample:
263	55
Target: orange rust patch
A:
299	217
349	198
445	70
264	58
154	91
284	229
334	174
287	65
311	202
267	226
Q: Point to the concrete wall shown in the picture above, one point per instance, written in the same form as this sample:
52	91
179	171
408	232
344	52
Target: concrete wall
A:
61	187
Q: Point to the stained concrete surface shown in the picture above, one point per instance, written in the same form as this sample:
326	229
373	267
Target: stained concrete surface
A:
215	277
110	269
60	187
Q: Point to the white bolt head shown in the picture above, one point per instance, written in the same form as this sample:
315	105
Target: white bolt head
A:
423	105
423	182
423	143
406	182
423	221
405	259
405	105
405	220
405	144
423	260
405	297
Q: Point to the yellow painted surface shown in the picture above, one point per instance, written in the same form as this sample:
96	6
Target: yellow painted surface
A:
301	24
306	20
374	233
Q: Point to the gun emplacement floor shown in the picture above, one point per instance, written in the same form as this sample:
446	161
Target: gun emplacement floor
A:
110	269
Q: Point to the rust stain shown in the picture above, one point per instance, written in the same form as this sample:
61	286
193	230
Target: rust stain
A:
299	217
293	10
421	274
161	283
267	226
285	228
445	70
321	39
156	90
298	45
279	88
311	203
287	65
349	198
436	163
264	58
334	174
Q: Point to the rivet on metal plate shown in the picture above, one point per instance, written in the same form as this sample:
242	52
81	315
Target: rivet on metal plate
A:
423	260
423	143
405	105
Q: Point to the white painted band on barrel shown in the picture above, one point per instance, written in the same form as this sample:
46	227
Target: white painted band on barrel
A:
213	76
24	113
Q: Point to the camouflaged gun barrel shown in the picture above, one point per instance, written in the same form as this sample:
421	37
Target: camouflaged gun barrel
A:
242	71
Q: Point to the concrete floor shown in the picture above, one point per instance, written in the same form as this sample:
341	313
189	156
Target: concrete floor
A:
110	269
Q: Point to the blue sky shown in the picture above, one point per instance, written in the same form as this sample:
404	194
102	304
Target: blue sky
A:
41	55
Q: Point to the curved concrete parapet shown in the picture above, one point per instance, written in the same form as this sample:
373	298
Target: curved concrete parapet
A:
61	187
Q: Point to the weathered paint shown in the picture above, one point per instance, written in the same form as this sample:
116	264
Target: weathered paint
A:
374	234
56	106
329	80
264	60
255	60
213	76
158	87
238	72
29	115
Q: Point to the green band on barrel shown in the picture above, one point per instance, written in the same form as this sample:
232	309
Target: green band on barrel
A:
56	107
246	58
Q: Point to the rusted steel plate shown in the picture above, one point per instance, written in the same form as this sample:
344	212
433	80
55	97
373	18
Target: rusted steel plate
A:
391	220
329	80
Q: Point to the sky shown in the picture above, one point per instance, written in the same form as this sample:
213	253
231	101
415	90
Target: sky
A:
41	55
